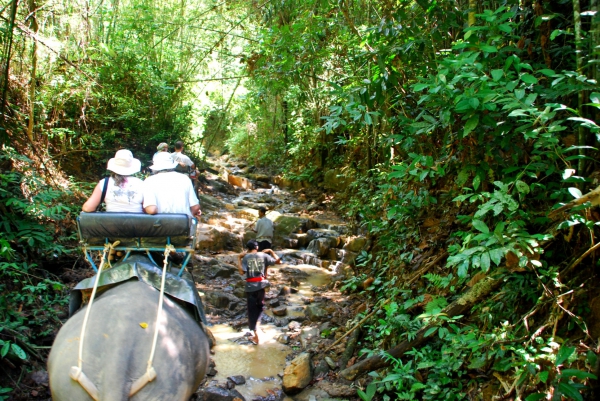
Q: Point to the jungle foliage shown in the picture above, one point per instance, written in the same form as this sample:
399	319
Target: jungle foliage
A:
461	124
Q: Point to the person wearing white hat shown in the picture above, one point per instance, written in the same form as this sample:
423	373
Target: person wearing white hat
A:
168	191
123	193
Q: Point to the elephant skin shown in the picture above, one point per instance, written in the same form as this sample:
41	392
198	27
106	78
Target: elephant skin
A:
117	347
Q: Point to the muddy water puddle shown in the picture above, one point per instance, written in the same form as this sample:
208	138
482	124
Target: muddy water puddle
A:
262	365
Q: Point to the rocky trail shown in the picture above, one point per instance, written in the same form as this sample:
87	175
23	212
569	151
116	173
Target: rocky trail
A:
305	313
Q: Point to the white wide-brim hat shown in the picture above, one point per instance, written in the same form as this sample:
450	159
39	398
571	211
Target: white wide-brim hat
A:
163	161
124	163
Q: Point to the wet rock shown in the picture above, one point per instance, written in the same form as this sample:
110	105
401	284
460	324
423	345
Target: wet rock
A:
285	225
337	390
297	374
223	271
283	339
211	372
321	368
274	395
240	291
238	380
281	322
285	290
302	238
315	233
294	326
346	257
291	243
215	393
280	311
229	206
274	303
355	244
331	363
309	335
222	300
320	246
208	202
315	313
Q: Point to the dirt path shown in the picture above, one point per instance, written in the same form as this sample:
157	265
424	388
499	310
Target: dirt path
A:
304	314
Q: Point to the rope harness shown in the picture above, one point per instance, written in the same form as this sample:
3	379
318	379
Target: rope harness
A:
76	372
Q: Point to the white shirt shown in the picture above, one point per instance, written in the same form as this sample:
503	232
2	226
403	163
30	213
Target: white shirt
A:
181	158
126	198
264	229
170	192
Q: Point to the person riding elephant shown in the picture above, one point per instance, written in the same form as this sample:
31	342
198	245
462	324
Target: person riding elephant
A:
122	192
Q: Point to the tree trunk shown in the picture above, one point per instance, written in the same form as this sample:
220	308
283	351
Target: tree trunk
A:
458	307
579	55
472	11
7	53
34	27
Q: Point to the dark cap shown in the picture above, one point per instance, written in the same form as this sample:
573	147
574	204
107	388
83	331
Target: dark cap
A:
262	209
252	245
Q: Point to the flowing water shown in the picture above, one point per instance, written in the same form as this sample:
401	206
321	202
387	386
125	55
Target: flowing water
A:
262	365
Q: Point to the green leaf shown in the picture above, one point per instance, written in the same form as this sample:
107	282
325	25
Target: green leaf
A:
529	79
535	397
485	261
497	74
5	349
416	387
430	331
496	255
481	226
563	354
471	124
522	187
595	97
576	192
419	87
569	391
476	182
18	351
544	376
489	48
474	103
580	374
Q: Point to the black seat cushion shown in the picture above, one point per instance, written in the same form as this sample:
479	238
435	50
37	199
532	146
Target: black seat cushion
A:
133	225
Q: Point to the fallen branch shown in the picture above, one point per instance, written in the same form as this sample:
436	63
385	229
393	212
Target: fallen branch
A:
479	291
593	197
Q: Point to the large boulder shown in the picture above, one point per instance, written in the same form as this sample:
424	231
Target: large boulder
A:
315	313
238	181
355	244
285	225
336	180
302	239
320	246
216	238
208	202
298	374
222	300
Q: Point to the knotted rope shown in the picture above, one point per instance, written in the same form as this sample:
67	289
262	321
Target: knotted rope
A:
150	373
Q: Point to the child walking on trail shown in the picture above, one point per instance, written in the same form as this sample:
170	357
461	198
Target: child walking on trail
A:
253	265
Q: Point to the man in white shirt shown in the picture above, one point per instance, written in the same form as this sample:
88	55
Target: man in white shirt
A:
264	230
168	191
185	163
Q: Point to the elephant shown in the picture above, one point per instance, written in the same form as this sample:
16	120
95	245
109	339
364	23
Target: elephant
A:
117	345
